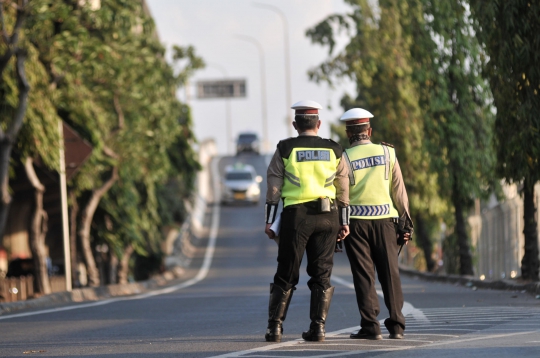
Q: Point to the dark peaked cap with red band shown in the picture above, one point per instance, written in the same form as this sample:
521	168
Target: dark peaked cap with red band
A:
306	107
356	116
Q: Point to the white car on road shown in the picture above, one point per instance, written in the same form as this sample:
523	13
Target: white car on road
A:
240	183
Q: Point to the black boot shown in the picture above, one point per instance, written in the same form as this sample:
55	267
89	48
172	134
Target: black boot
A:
320	304
277	312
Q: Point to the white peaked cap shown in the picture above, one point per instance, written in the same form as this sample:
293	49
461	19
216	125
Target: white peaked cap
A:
356	116
306	104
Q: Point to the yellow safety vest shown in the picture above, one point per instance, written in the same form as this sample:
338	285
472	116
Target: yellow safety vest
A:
310	168
371	168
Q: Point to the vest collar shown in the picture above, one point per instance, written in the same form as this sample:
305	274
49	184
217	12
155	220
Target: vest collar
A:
360	142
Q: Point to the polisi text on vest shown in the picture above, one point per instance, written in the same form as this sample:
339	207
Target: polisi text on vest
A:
312	155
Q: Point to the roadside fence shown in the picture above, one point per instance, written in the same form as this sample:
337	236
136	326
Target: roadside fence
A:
14	289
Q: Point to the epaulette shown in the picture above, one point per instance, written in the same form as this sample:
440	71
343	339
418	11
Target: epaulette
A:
331	140
387	144
338	147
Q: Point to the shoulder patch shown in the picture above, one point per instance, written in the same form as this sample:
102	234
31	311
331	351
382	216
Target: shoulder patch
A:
336	147
387	144
331	140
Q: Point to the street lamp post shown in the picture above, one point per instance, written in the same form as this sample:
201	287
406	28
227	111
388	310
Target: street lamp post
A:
287	63
228	124
257	44
64	206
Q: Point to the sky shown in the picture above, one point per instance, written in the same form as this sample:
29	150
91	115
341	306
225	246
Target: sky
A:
213	27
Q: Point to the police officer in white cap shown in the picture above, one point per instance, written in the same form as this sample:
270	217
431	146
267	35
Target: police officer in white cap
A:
380	224
308	174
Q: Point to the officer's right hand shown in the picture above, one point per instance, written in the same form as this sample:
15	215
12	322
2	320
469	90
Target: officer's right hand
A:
403	238
269	232
343	232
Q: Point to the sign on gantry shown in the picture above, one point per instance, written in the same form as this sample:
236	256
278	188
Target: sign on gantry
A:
230	88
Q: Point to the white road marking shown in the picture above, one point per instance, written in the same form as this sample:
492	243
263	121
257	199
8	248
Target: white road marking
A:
207	262
347	353
439	329
438	335
407	309
476	339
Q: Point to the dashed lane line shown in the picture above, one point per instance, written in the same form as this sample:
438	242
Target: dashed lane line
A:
454	341
408	309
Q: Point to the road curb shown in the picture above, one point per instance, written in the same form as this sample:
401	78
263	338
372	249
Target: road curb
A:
470	281
87	294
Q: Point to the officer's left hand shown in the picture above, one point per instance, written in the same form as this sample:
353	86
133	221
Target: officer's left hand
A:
343	232
269	232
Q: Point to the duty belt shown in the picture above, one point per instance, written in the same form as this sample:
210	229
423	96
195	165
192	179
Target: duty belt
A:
312	205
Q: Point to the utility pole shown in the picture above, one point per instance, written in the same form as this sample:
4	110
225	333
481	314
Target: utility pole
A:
228	123
266	142
64	205
288	101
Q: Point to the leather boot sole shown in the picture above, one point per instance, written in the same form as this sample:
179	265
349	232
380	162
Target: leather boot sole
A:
310	338
272	338
372	337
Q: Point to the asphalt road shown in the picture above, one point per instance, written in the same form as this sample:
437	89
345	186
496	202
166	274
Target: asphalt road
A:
220	309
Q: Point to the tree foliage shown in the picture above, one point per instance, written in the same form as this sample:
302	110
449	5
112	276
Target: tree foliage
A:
104	73
459	124
509	32
416	67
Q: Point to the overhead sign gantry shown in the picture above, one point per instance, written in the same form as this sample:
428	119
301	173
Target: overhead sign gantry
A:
227	88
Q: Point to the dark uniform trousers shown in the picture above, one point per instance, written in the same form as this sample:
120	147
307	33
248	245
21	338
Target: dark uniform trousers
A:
373	244
304	229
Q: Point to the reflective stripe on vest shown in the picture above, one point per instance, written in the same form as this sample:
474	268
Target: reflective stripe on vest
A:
309	174
370	192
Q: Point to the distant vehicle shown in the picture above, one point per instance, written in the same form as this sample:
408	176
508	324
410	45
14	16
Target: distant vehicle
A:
248	143
240	184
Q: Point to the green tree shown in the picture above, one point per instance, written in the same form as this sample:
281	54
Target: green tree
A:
379	60
417	68
509	32
104	73
30	105
138	122
14	90
457	100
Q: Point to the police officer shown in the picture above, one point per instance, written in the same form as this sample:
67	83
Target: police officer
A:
308	175
380	224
